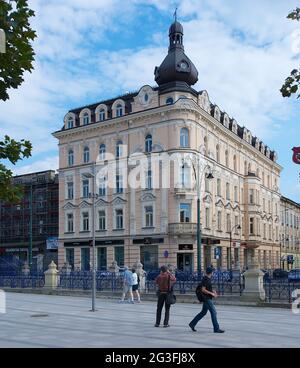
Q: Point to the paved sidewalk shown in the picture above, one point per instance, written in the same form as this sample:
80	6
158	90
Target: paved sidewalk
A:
70	324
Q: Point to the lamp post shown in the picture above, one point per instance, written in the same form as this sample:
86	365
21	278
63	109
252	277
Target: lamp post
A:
198	182
30	227
93	195
238	227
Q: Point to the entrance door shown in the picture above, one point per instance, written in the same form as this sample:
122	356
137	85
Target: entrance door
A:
185	262
207	256
149	257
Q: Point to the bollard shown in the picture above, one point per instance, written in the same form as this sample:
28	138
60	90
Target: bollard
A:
51	276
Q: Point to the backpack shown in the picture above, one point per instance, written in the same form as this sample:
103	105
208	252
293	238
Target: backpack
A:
199	293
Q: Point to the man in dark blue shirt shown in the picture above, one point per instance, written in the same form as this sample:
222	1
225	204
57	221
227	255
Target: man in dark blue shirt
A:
207	295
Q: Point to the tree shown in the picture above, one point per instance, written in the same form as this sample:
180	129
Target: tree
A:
292	82
19	55
12	151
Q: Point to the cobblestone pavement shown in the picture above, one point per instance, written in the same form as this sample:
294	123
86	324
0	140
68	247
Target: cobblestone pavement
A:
58	321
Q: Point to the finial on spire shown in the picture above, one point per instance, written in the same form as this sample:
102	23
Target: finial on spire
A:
175	14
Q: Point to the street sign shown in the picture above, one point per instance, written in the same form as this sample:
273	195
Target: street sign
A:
217	252
52	242
166	254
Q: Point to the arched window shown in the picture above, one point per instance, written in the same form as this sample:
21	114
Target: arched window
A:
86	119
102	151
102	115
169	101
119	149
119	110
86	155
70	123
184	137
71	158
218	153
148	143
234	163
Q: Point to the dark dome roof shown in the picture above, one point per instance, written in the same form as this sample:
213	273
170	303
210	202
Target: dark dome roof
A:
176	67
176	27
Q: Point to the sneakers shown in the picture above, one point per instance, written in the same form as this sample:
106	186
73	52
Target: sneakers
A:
192	328
156	325
165	326
219	331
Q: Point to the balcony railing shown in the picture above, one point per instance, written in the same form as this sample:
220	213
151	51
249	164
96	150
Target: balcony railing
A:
184	228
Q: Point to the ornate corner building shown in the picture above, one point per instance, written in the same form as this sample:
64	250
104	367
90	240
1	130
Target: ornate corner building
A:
158	224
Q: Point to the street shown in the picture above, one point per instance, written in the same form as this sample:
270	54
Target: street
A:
56	321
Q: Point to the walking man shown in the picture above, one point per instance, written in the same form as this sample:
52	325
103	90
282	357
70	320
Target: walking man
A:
127	285
207	294
164	282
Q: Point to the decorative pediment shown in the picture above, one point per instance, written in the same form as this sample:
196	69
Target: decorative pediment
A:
69	206
101	202
228	205
147	197
207	199
118	201
84	204
219	203
236	206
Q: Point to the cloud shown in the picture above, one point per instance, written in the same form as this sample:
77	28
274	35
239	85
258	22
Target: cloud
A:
49	163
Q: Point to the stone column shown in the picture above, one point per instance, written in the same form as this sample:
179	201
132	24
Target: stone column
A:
254	287
51	276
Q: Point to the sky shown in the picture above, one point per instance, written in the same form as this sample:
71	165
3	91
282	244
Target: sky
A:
88	51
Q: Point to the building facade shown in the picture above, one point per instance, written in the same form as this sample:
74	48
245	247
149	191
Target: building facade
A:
289	233
39	206
168	138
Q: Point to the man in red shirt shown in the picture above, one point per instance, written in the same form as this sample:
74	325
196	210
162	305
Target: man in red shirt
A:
164	281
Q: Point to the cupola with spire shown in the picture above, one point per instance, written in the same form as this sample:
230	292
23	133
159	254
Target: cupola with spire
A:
177	70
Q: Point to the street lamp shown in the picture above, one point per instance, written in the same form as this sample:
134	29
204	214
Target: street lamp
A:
93	195
238	227
199	178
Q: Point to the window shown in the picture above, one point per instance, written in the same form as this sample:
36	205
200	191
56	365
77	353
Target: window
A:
185	212
251	225
236	194
102	152
70	123
265	231
236	223
70	257
119	219
119	256
102	115
86	119
251	196
102	220
184	137
102	186
71	158
119	184
102	259
148	143
219	187
119	151
185	175
234	163
85	259
227	191
119	110
149	216
219	220
149	179
85	188
86	155
207	184
85	221
207	218
264	204
169	101
228	223
270	232
218	153
70	190
70	223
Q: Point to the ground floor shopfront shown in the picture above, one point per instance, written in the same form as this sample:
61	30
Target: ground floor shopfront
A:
155	251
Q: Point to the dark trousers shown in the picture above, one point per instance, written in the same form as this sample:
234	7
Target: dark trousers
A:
208	305
160	303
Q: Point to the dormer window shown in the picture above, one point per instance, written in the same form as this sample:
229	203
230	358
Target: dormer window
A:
102	115
169	101
70	123
119	111
86	119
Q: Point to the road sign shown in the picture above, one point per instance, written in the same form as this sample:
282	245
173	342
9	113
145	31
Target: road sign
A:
217	252
166	254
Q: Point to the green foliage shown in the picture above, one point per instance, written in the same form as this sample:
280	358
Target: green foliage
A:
291	84
12	151
19	56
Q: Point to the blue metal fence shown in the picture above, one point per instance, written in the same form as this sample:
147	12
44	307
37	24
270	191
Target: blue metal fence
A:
33	280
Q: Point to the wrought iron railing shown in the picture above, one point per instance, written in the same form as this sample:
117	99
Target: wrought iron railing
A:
33	280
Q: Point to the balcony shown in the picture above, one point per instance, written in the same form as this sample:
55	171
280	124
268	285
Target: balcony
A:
183	228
